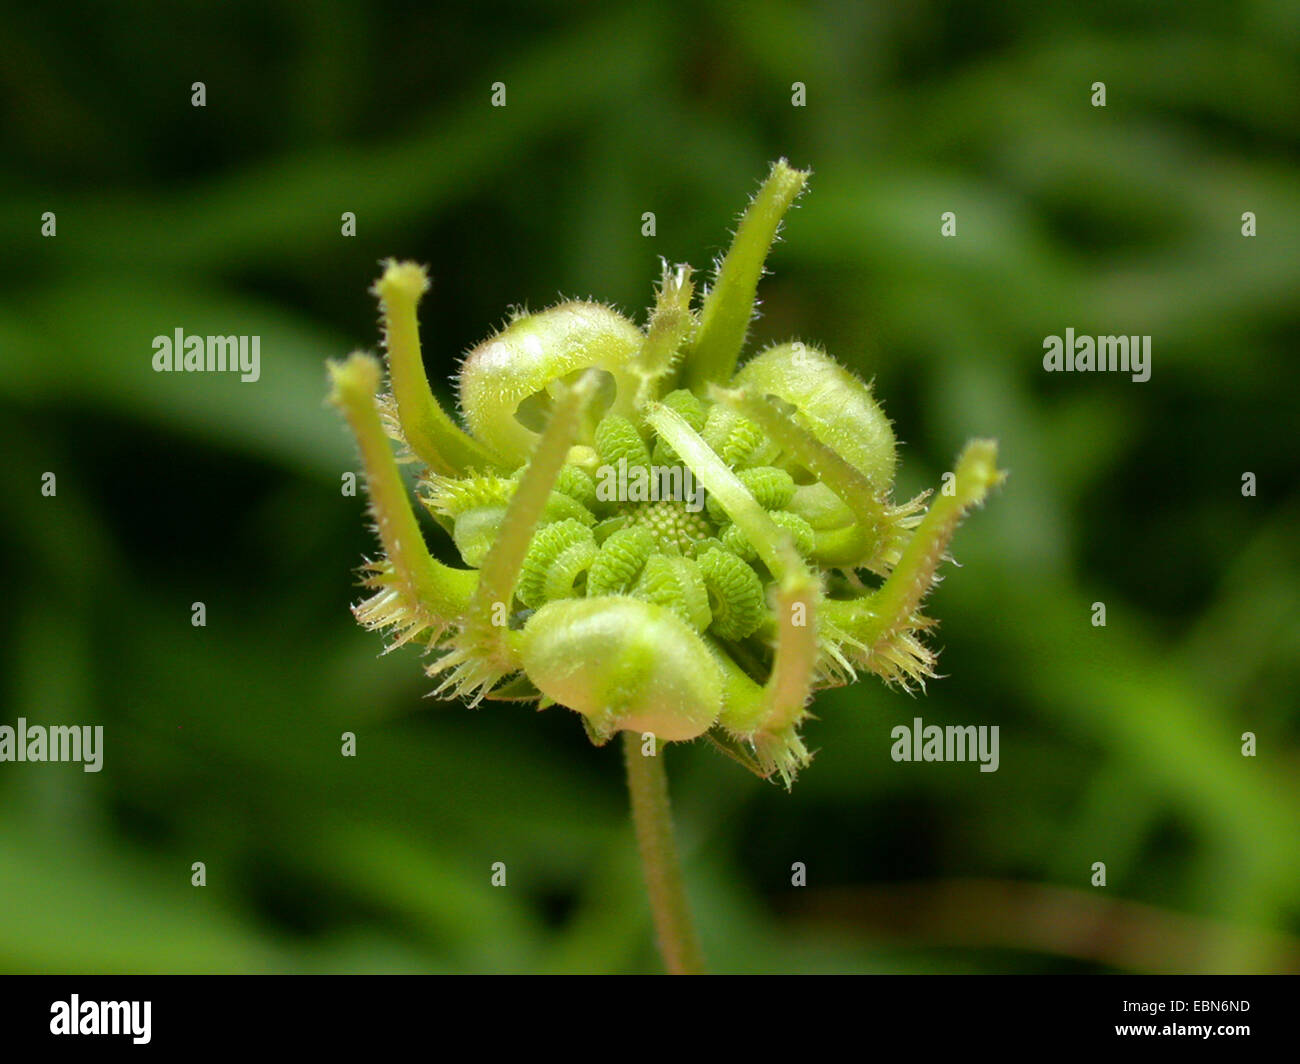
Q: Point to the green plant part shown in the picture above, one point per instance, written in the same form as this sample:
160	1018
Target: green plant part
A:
596	575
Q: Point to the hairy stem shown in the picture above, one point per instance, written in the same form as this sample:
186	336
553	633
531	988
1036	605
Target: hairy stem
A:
729	306
439	442
652	815
434	592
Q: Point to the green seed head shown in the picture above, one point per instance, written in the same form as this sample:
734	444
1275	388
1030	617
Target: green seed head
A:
647	533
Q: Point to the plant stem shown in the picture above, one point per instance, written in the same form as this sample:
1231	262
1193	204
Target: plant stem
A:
652	815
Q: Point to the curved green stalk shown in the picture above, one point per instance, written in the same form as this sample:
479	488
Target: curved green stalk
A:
500	571
433	592
891	608
434	437
729	306
671	322
768	538
485	650
871	515
647	786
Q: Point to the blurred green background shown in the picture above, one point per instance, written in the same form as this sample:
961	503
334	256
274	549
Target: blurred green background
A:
1119	744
